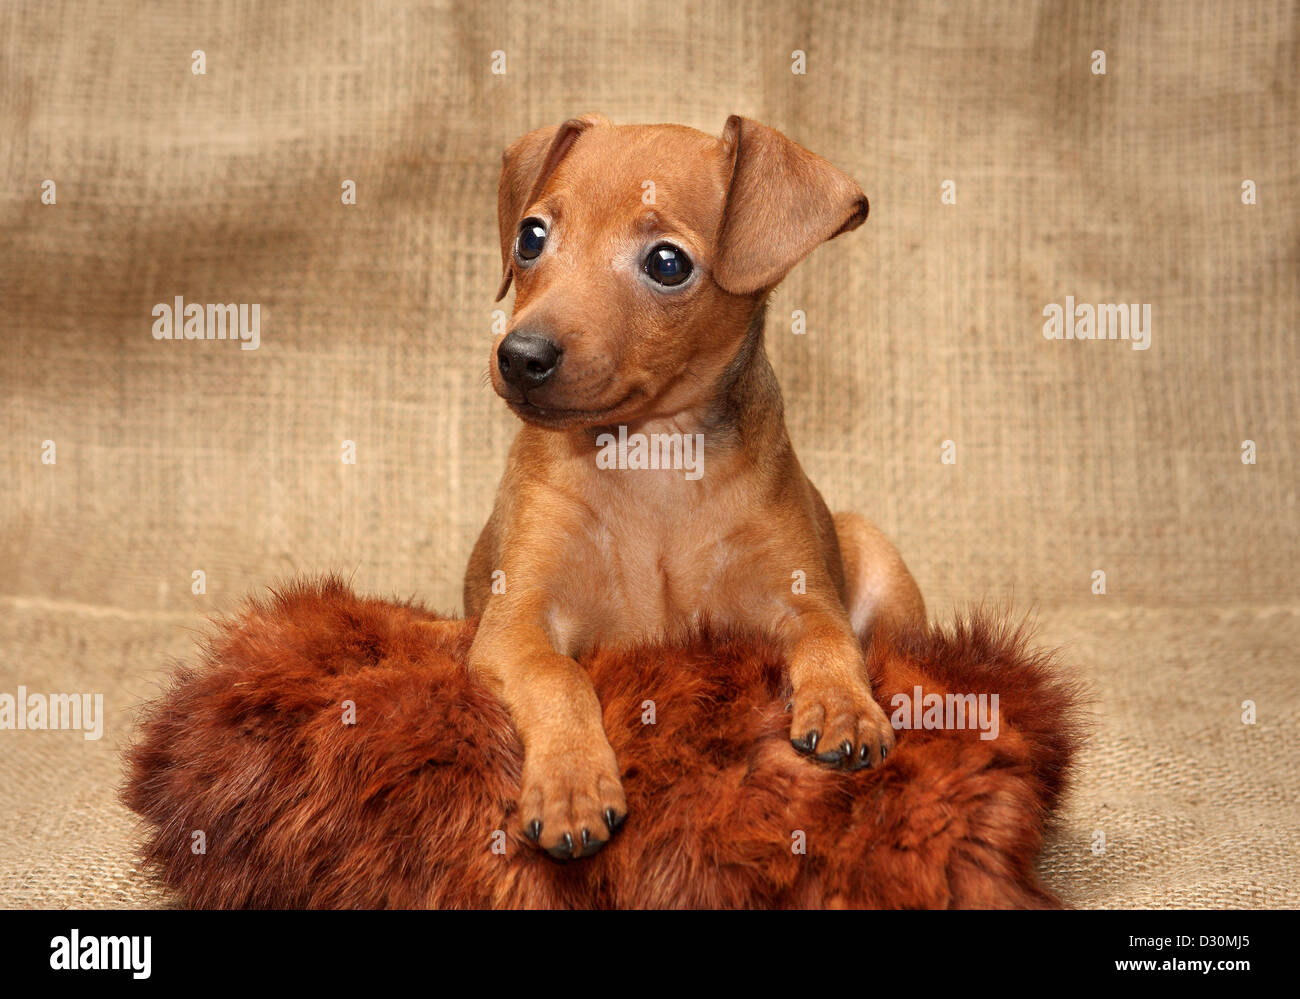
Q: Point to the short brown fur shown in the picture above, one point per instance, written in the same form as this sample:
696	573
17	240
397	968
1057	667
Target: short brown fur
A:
583	555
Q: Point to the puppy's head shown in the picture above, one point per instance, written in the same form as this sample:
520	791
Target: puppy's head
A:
639	254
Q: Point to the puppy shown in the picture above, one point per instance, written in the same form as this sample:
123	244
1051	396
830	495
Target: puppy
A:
653	484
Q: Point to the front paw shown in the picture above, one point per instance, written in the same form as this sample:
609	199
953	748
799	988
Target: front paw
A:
571	801
840	725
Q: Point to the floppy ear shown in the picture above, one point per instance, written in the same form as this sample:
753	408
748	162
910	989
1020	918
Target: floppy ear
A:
525	167
782	202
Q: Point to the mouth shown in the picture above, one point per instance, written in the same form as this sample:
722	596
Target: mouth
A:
545	416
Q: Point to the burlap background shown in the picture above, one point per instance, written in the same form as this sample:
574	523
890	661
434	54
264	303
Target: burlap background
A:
924	326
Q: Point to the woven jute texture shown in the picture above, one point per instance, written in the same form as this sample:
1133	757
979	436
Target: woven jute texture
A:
923	327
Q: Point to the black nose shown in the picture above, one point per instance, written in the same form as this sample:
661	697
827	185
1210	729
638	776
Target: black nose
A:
526	361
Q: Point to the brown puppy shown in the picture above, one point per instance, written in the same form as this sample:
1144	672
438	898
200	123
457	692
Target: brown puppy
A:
653	484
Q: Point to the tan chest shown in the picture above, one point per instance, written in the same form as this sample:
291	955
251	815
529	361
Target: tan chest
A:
659	558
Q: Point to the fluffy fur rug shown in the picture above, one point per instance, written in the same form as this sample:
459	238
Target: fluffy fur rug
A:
256	793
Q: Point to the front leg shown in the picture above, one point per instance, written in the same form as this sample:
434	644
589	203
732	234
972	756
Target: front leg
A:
836	719
570	799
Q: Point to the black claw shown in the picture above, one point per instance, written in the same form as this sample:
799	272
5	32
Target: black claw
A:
836	756
789	707
808	744
563	850
534	830
884	751
590	845
613	819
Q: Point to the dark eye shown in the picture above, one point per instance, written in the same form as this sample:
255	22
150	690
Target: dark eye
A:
668	265
532	238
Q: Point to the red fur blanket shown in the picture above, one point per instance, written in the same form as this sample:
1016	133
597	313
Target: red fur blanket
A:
257	792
